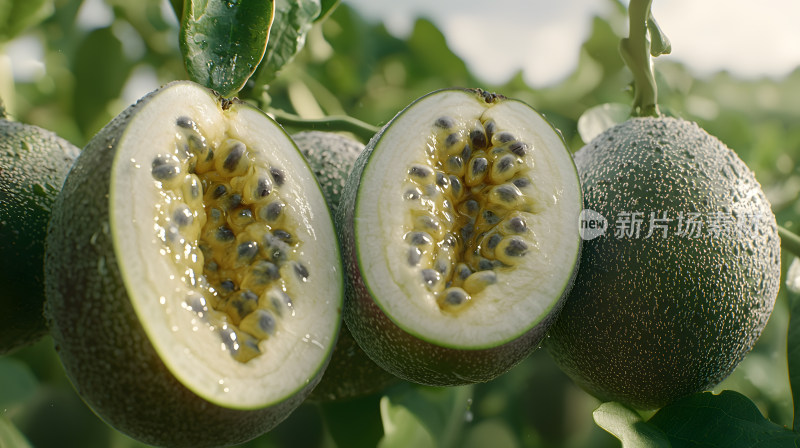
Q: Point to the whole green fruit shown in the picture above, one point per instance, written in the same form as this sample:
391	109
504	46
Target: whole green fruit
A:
350	373
677	290
33	164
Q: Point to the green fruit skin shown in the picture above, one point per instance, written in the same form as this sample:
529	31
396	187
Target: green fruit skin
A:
401	353
33	165
650	320
97	334
350	373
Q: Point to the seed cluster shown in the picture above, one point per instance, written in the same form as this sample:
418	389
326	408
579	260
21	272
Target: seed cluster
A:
469	203
224	222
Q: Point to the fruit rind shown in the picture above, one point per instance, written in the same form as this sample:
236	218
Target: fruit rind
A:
104	347
33	165
401	349
652	319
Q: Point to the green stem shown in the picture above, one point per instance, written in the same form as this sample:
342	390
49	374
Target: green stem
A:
789	241
360	129
636	52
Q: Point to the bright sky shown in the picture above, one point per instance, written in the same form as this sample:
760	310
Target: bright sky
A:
542	37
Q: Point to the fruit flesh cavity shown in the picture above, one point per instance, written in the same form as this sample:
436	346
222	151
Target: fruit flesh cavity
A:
165	273
508	227
225	224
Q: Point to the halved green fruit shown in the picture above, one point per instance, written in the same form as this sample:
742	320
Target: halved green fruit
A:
193	276
351	373
33	165
458	227
682	272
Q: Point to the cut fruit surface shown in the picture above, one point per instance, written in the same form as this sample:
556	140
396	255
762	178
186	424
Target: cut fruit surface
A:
193	236
459	225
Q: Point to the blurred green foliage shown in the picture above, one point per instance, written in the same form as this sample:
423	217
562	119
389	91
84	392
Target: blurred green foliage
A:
353	67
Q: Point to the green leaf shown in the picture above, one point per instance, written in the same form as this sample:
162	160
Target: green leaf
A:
101	70
223	41
327	8
597	119
793	342
339	417
293	20
628	427
17	383
442	411
10	436
402	428
18	16
727	420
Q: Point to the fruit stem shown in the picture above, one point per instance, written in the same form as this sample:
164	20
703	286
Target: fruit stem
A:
357	127
645	39
789	241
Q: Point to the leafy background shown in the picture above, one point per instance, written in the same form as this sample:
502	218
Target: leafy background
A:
349	66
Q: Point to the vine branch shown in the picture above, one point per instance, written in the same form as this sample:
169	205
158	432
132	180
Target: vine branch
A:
362	130
645	40
789	241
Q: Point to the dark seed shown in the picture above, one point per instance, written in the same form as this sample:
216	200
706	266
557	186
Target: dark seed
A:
517	225
266	271
507	193
420	238
234	157
463	271
442	180
414	256
505	163
272	211
444	122
234	201
264	187
490	128
277	175
430	277
455	184
225	234
164	169
455	164
472	206
412	194
505	137
219	191
485	264
467	230
478	138
420	171
466	152
227	286
452	140
247	250
183	216
456	296
244	302
490	217
516	247
275	249
283	235
522	182
185	122
518	148
301	271
479	165
266	322
493	241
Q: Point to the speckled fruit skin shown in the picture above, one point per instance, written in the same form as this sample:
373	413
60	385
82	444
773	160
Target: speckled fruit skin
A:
33	165
101	343
401	353
350	373
650	320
